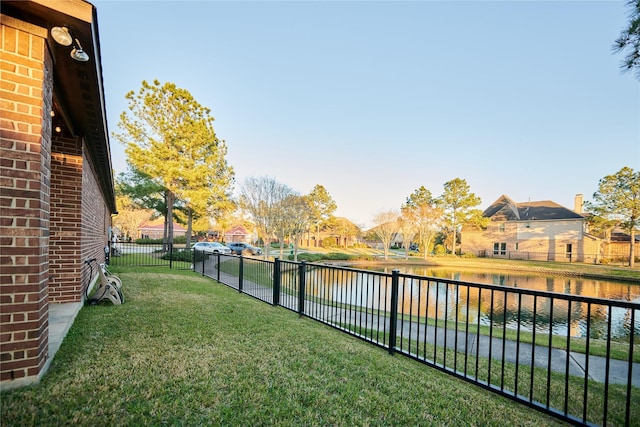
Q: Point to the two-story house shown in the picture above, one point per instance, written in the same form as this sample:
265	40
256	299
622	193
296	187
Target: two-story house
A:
542	230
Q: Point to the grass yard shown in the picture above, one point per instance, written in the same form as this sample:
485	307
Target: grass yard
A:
184	350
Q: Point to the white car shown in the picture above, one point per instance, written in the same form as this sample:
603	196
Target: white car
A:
212	248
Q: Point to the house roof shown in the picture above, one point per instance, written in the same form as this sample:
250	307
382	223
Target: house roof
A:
78	95
505	209
621	236
238	230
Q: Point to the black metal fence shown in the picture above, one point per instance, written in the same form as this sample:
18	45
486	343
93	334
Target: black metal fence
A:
573	357
586	258
151	255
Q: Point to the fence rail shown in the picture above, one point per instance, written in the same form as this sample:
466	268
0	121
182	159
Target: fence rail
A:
150	255
573	357
585	258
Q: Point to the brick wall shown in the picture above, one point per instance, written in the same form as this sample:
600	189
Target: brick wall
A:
65	283
25	144
79	220
96	218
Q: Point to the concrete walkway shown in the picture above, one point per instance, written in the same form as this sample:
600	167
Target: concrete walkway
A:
61	317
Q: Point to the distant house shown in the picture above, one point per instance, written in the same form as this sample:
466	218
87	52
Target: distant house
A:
239	234
542	230
156	231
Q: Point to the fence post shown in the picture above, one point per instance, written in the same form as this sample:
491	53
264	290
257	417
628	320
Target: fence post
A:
240	273
301	285
276	281
393	321
218	267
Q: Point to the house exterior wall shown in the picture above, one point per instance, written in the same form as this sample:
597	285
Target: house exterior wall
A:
539	239
66	198
53	211
25	142
157	231
96	218
239	234
80	220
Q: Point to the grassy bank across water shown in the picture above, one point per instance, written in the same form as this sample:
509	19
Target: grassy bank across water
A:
396	258
184	350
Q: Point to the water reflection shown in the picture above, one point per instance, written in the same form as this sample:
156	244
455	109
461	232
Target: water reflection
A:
619	291
437	300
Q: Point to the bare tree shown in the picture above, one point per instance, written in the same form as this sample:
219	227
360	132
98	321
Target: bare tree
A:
261	197
408	229
300	218
130	217
386	226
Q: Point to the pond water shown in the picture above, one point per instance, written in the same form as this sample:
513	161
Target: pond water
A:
446	301
597	288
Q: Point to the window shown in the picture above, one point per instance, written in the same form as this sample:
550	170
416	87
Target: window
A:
516	246
569	250
499	248
501	227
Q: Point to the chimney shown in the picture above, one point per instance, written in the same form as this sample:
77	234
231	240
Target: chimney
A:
578	203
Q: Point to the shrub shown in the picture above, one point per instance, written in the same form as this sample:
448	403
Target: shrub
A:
307	257
338	256
331	256
186	255
329	242
439	250
148	241
359	245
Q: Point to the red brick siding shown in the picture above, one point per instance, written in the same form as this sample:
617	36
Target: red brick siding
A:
65	254
96	218
25	146
79	220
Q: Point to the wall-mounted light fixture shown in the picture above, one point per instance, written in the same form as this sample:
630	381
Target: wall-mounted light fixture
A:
78	54
63	36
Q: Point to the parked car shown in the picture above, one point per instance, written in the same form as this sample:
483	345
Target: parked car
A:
244	248
212	248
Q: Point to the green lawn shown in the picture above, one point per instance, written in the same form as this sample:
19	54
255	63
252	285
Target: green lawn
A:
184	350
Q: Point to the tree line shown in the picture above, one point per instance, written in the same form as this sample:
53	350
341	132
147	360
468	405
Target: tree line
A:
178	170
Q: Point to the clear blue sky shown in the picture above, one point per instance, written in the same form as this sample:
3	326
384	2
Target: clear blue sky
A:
374	99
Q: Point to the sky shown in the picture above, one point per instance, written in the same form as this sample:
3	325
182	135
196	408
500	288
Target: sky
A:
373	100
